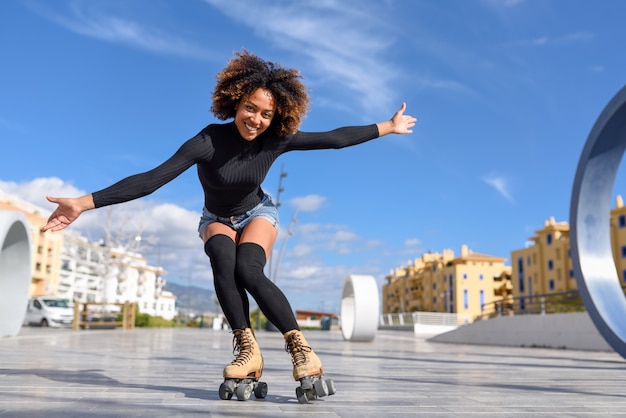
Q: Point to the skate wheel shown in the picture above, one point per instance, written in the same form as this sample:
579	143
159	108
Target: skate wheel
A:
321	389
244	391
229	385
302	396
260	391
330	384
306	383
224	393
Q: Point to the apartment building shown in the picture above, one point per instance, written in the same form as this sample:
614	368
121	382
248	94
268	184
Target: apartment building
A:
544	266
618	238
70	266
46	248
437	282
93	272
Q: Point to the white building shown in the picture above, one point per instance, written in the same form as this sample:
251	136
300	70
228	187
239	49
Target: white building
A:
93	272
82	269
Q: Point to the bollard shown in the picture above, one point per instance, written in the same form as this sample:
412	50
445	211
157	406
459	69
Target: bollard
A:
590	235
359	308
15	271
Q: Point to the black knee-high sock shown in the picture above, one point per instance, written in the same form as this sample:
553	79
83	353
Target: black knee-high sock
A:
272	301
232	296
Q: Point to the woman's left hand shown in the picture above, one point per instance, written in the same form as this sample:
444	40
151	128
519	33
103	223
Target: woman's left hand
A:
398	124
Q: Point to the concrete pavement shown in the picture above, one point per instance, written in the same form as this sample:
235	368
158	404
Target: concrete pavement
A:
177	372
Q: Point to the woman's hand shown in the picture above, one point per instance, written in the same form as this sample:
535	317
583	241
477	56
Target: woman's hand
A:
398	124
67	211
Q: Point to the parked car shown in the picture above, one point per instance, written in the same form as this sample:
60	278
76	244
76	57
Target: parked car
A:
49	312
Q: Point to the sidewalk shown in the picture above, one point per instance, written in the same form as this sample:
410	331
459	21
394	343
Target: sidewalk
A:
177	372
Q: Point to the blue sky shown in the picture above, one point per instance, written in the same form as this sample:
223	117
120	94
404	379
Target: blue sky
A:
506	92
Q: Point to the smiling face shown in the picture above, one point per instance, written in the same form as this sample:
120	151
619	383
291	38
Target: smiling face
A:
254	114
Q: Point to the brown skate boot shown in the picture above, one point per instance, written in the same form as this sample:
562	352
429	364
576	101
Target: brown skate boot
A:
307	368
241	376
305	361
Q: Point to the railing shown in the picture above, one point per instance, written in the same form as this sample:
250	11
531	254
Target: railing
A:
410	319
103	316
560	302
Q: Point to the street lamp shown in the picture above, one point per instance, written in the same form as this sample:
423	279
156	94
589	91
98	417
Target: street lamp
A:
283	174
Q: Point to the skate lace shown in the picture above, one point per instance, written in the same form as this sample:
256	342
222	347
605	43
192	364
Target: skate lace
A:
242	348
297	349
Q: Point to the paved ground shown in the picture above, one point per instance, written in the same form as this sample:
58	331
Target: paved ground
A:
176	373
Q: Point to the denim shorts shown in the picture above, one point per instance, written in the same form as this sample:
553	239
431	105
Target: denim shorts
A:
266	210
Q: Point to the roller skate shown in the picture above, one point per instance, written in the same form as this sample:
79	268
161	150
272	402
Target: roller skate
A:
307	369
241	376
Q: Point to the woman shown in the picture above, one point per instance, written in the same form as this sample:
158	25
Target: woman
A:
239	223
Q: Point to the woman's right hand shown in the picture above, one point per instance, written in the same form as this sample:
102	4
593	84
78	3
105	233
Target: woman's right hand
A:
67	211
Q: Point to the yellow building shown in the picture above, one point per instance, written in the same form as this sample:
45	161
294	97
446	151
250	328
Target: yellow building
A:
544	267
618	238
46	252
444	283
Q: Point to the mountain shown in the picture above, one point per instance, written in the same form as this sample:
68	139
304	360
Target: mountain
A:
192	298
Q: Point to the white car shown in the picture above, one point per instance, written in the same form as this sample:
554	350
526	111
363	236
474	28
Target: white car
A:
49	312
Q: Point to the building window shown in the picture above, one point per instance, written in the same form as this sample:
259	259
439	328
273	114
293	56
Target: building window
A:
465	299
482	298
551	284
571	273
434	300
549	239
434	286
623	251
520	266
464	276
480	276
550	265
622	221
528	260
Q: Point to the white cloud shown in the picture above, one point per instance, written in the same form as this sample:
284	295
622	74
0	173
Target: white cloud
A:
35	191
169	232
500	184
170	239
88	19
309	203
343	44
412	242
567	39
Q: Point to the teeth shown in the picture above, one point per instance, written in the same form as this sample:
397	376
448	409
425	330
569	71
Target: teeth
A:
250	128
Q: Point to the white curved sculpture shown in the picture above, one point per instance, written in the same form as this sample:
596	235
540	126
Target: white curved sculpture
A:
359	308
15	271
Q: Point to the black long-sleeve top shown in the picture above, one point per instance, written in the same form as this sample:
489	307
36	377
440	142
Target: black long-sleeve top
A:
230	168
